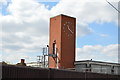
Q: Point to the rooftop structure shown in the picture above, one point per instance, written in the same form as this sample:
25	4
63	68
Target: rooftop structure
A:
97	67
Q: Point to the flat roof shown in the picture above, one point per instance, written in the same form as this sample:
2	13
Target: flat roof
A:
99	62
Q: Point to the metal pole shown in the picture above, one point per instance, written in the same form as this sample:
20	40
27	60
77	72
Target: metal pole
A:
57	57
48	54
38	61
44	57
113	6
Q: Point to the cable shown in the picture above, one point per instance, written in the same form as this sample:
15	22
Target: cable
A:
113	6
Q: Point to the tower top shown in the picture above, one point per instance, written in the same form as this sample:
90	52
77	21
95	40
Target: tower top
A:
63	15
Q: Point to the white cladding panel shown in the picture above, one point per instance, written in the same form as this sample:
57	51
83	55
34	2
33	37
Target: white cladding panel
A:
98	68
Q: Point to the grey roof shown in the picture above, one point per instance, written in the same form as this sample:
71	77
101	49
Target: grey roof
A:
95	62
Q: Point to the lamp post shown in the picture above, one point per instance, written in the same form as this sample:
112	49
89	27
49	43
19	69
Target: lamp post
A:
48	54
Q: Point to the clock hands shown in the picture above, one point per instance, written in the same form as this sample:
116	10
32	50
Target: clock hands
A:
69	29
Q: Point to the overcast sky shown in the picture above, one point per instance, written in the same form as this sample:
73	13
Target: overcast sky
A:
25	28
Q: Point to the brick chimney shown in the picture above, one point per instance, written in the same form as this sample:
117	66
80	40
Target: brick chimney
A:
22	63
22	60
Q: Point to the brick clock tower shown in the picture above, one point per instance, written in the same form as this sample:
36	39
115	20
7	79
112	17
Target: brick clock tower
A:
62	42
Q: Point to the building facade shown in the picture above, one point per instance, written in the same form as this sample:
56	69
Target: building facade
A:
97	67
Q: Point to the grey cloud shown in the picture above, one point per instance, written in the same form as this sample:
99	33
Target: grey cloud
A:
83	30
98	52
12	38
12	47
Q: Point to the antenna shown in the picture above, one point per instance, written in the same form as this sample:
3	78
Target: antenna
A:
112	6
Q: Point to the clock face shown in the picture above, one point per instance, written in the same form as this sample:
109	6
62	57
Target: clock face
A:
68	28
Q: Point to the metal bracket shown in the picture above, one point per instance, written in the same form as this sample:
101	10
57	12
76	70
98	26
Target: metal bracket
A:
53	55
